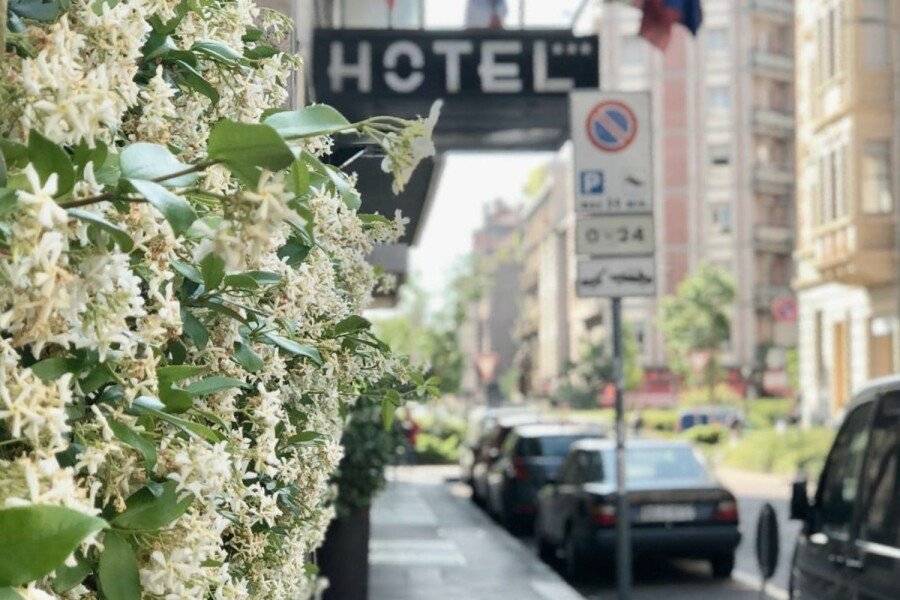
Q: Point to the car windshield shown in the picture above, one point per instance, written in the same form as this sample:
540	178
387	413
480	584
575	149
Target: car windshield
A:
550	445
644	465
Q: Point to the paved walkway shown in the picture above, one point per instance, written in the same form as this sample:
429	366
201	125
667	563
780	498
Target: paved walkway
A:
429	542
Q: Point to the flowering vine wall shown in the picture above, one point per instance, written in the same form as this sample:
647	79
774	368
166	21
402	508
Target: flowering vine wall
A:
181	277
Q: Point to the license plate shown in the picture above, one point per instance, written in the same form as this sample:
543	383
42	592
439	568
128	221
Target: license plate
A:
667	513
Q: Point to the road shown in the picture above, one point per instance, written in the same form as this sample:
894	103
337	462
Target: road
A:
430	541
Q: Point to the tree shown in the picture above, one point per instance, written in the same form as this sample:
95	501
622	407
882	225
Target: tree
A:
696	321
594	369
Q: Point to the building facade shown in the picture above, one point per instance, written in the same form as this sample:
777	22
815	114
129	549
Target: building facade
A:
848	106
723	146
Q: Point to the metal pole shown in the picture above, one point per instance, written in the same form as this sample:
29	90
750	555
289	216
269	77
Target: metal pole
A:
623	525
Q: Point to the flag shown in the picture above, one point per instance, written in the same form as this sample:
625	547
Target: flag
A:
660	15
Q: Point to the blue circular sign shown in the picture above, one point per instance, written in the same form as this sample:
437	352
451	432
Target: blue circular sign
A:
612	126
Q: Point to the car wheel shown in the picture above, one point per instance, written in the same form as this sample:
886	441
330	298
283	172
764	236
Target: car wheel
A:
576	558
722	565
546	551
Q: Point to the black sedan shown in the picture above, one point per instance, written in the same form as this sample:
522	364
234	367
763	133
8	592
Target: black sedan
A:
677	508
531	456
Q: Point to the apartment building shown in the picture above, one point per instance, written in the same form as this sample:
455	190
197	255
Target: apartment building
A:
724	127
848	173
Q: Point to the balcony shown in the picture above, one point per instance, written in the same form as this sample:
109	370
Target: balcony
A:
773	179
858	252
766	294
773	122
773	238
769	64
778	11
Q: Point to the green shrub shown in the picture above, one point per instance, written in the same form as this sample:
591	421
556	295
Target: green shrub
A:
765	412
660	419
769	451
432	450
706	434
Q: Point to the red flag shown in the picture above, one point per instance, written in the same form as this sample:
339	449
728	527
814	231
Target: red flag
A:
391	3
656	26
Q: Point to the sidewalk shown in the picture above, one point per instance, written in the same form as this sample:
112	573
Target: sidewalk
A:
429	542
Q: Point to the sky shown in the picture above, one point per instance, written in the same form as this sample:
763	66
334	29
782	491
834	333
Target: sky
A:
469	181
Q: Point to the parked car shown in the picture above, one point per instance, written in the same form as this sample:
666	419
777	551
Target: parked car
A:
489	451
849	546
709	415
481	420
677	508
530	457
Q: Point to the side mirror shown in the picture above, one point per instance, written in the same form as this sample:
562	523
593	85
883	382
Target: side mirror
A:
800	506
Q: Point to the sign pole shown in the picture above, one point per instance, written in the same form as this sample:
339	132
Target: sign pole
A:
623	525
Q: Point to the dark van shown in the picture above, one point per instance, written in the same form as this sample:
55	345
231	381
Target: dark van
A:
849	546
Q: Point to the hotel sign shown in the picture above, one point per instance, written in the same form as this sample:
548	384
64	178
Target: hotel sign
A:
446	64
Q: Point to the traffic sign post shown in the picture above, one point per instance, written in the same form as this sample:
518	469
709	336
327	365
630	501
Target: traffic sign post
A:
615	241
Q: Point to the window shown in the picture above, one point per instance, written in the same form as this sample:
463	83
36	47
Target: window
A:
881	523
876	33
719	154
877	196
832	167
830	33
717	39
840	480
721	218
719	98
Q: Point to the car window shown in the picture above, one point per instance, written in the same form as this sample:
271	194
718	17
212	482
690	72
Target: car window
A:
840	480
649	464
881	476
548	445
593	468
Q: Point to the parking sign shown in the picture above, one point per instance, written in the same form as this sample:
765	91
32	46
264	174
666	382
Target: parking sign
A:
612	145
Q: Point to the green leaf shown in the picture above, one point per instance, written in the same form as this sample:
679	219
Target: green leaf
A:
213	384
137	441
294	251
212	268
241	281
7	593
173	373
119	235
352	324
218	52
146	510
48	158
244	145
338	181
45	11
194	329
118	569
36	539
298	182
318	119
65	577
295	348
260	52
306	437
311	569
175	399
152	161
187	271
16	154
388	411
247	358
51	369
190	78
97	378
152	406
264	277
82	154
177	211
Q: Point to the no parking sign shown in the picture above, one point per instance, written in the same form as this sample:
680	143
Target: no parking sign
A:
612	144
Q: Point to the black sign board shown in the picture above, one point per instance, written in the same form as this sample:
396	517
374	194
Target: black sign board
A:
502	89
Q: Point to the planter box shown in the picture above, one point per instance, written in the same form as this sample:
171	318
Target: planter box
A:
344	557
